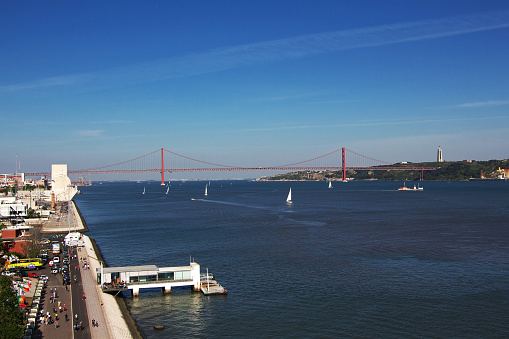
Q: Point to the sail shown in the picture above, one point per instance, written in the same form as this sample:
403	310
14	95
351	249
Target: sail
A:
289	198
330	184
168	189
206	189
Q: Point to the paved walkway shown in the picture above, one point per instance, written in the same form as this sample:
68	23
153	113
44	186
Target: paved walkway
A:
59	223
111	321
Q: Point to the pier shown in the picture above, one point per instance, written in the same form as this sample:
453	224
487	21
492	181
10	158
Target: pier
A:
135	278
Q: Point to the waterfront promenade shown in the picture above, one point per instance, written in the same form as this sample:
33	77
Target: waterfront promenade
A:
100	306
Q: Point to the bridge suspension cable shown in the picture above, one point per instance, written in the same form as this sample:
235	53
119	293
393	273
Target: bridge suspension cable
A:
175	162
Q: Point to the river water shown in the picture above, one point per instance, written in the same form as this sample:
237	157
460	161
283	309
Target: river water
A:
358	260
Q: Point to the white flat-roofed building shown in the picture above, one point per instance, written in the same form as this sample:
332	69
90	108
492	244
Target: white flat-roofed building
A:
148	276
9	208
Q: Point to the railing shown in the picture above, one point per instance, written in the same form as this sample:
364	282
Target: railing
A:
125	286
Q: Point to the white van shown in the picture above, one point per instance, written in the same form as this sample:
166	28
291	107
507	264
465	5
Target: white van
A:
56	259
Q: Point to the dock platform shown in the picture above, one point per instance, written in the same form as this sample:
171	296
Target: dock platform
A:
209	285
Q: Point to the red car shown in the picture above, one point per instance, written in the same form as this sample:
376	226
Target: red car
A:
33	275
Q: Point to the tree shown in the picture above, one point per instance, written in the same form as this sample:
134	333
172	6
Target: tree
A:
32	247
11	317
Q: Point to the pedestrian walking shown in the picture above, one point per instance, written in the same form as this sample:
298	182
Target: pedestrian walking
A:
81	325
93	322
84	296
56	324
76	316
66	318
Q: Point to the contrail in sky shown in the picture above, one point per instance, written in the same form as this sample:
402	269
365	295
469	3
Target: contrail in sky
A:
225	58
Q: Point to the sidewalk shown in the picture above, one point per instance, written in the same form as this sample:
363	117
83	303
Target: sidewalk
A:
111	321
59	224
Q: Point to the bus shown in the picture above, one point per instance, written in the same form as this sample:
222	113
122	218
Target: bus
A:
56	248
25	264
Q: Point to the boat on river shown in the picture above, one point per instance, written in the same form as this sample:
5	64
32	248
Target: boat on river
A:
416	188
289	198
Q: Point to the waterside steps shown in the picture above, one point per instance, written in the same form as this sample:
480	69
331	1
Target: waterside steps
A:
209	285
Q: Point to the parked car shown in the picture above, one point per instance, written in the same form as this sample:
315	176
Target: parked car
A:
56	259
33	275
54	270
50	263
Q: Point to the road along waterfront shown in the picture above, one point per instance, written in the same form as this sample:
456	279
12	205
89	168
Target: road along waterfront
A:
113	319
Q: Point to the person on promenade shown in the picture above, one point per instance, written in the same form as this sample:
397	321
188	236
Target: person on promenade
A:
56	323
93	322
84	296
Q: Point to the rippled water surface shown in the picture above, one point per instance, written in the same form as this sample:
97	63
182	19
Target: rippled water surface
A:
358	260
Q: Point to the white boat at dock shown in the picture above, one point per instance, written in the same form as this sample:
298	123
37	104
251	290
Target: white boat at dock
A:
209	285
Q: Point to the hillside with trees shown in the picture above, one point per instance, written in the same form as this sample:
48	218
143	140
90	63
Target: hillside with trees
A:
451	170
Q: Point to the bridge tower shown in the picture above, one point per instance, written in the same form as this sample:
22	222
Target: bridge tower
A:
343	163
162	166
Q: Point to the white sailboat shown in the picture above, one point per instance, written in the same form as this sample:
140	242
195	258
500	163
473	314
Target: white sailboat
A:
289	198
143	190
206	189
330	184
168	189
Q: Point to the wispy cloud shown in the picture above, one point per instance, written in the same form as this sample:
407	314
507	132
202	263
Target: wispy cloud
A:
90	133
112	122
367	123
483	104
221	59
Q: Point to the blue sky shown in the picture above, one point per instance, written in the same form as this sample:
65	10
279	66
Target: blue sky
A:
252	83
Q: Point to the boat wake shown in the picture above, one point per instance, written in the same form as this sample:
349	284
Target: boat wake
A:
231	203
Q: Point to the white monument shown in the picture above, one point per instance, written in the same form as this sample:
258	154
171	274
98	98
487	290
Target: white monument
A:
61	185
439	155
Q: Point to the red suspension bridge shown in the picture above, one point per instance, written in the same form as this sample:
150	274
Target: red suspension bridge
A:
165	161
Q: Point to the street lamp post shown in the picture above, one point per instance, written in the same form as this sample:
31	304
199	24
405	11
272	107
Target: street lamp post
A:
69	207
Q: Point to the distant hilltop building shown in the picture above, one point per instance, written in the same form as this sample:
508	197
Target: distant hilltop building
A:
439	155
